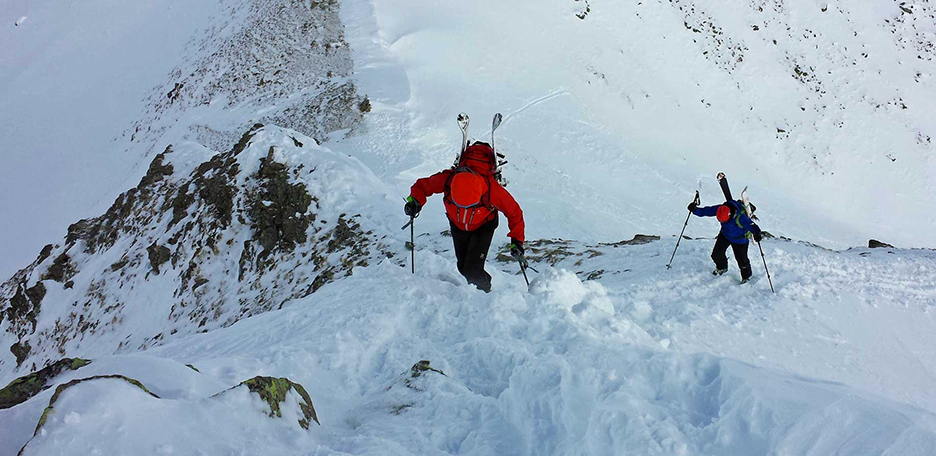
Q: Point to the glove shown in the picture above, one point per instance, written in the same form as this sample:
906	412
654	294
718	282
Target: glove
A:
516	248
692	206
757	235
412	207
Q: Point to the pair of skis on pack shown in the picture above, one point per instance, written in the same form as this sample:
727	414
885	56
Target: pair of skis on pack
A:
463	121
723	183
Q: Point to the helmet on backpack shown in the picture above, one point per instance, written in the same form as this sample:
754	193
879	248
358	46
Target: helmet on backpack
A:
723	213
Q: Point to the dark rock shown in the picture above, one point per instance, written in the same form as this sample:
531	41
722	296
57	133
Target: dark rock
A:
638	239
418	370
422	367
876	244
213	182
20	351
273	391
245	139
22	313
158	254
273	208
199	281
157	170
25	387
180	205
60	269
46	251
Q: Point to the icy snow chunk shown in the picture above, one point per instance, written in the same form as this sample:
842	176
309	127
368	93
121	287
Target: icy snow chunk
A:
72	418
641	311
563	288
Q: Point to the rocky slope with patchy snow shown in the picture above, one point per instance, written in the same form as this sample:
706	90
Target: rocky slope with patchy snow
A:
203	241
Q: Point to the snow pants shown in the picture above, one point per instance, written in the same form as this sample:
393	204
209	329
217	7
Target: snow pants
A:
471	249
740	253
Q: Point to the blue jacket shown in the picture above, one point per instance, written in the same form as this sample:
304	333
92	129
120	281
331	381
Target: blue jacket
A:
737	227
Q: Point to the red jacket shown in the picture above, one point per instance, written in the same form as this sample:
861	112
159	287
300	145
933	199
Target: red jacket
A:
472	219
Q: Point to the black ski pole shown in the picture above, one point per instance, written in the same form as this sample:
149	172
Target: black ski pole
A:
524	265
696	201
765	267
412	243
523	270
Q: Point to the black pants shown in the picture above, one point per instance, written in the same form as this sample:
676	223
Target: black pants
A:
471	249
740	253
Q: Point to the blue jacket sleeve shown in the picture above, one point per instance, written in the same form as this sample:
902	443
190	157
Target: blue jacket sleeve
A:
708	211
749	224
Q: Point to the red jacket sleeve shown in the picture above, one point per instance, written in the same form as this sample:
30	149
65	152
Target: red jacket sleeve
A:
428	186
504	202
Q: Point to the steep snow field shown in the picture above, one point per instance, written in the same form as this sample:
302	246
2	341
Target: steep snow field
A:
595	367
613	115
823	109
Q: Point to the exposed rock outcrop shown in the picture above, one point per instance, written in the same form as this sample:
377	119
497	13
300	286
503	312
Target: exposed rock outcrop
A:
274	391
23	388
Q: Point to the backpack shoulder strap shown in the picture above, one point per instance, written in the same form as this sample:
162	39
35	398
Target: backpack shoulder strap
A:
486	197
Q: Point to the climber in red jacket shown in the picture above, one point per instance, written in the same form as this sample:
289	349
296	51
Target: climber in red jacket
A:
472	198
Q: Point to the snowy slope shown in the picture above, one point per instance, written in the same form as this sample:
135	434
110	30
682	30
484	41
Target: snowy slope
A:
571	368
613	109
282	255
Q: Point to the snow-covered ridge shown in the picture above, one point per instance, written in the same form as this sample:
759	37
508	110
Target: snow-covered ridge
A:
102	88
260	61
203	241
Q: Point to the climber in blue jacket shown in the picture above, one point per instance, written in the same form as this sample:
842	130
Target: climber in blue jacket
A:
736	226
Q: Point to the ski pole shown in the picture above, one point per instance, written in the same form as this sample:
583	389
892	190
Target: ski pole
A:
412	243
696	201
765	267
524	265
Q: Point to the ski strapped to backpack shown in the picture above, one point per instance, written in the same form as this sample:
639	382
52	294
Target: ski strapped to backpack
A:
498	159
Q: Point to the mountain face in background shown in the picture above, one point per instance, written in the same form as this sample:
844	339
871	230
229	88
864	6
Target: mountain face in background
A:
256	153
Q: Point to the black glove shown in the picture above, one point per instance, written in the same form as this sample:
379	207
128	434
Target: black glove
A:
757	235
692	206
516	248
412	207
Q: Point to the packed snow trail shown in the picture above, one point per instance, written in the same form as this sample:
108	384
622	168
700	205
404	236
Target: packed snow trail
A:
571	367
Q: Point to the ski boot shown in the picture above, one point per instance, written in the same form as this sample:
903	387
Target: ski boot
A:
718	272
